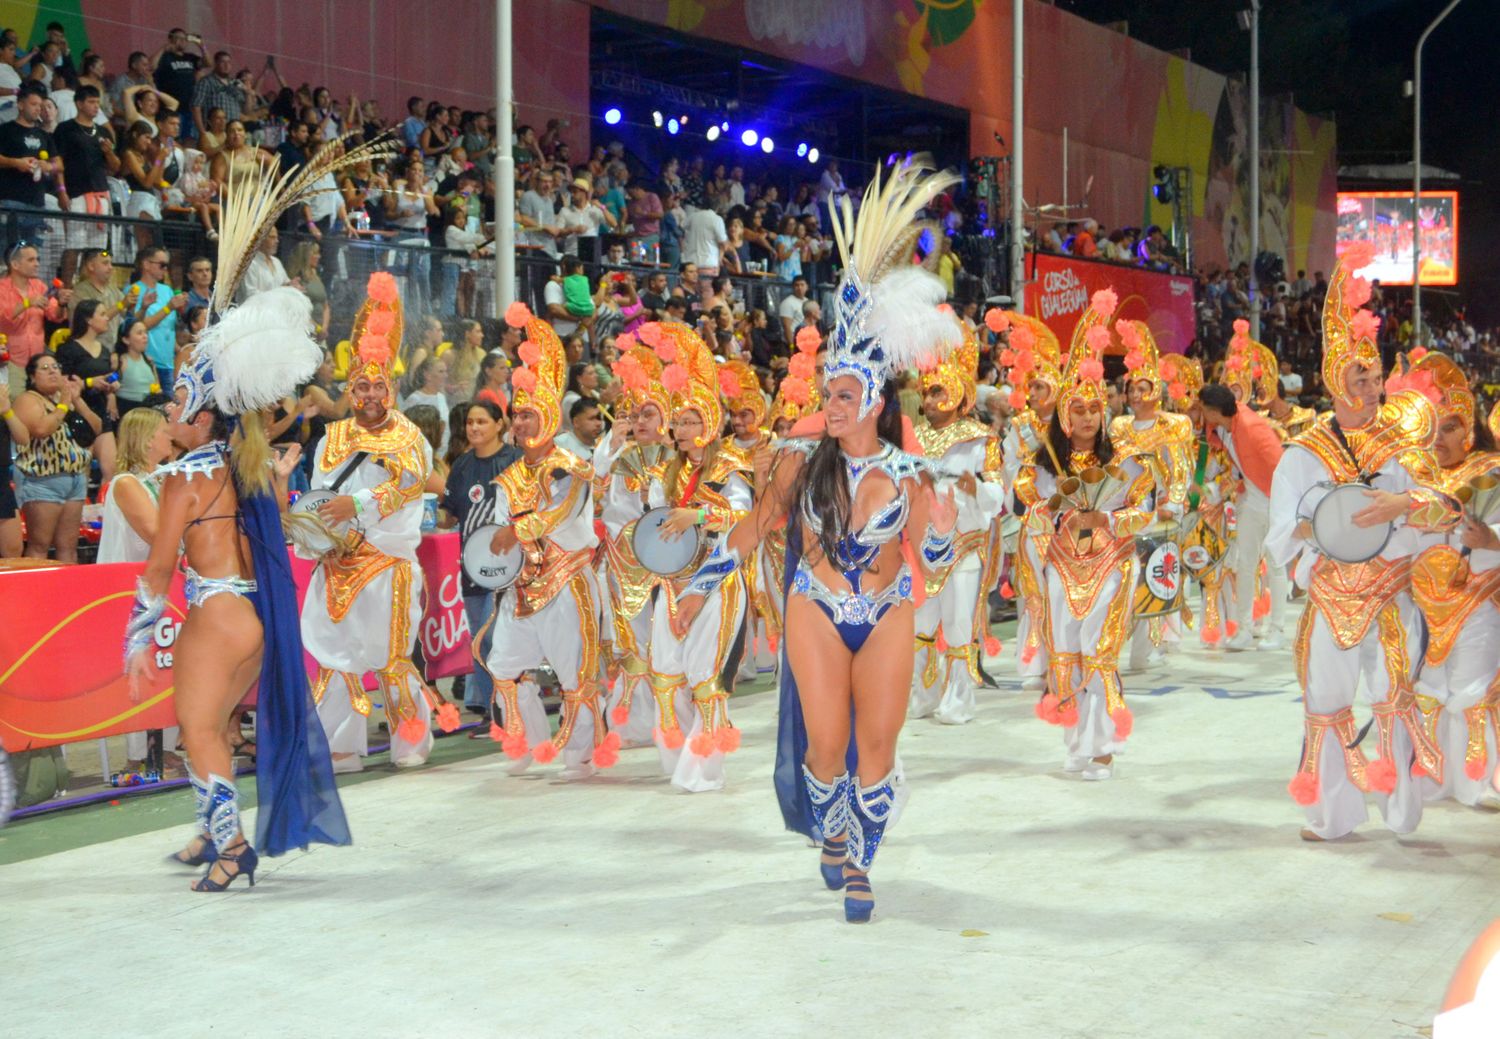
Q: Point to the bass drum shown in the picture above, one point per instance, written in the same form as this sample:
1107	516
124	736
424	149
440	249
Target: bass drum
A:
662	556
1205	546
1159	588
486	569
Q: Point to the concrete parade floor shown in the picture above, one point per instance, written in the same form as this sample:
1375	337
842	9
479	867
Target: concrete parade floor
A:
1013	899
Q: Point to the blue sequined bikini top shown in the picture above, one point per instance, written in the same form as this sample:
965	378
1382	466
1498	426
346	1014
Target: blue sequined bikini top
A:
857	550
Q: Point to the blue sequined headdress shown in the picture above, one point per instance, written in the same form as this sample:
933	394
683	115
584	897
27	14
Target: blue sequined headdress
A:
886	316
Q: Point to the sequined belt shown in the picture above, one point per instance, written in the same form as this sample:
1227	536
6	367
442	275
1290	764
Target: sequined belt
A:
1351	595
852	607
199	589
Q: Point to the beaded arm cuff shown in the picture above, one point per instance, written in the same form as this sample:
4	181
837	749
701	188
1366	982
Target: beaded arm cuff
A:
721	562
937	549
144	614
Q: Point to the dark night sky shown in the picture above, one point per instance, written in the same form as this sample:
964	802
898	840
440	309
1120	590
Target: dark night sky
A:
1350	58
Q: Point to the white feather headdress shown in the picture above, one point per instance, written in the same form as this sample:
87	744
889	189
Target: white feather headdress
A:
886	316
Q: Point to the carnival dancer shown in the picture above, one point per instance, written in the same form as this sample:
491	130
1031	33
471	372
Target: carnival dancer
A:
1253	444
543	505
1455	578
364	603
1165	439
625	464
1032	357
850	495
707	482
1207	539
952	622
1091	559
1360	621
748	411
219	506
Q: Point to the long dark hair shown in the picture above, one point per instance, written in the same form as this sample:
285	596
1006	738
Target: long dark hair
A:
825	479
83	313
1062	445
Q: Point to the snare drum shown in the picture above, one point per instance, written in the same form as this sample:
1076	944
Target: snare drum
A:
667	558
486	569
1204	547
1330	509
316	534
1159	589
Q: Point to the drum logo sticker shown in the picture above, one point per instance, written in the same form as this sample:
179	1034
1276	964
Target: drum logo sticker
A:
1197	557
1163	574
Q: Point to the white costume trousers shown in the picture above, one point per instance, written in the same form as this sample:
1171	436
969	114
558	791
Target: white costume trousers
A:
950	696
1458	683
691	663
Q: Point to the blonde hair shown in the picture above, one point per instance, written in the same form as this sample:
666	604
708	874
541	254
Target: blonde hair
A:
298	265
250	451
134	439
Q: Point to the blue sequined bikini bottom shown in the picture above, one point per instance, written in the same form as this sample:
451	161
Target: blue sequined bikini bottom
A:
854	614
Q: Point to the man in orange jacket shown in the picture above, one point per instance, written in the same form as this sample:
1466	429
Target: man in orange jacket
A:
1255	449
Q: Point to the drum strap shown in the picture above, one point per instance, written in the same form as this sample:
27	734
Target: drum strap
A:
690	489
1338	433
1198	474
348	471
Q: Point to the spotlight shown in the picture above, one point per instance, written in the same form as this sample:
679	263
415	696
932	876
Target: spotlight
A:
713	133
801	149
749	138
767	145
611	116
812	156
656	119
683	120
724	126
672	126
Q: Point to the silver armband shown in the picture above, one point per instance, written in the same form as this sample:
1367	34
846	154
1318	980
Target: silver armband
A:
140	628
721	562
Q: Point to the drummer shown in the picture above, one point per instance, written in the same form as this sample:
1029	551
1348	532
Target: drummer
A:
1360	620
1165	437
543	505
1254	449
749	416
707	484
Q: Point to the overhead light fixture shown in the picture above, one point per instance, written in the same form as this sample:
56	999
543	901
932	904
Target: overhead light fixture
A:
713	133
672	126
812	156
749	138
767	145
612	116
801	149
656	119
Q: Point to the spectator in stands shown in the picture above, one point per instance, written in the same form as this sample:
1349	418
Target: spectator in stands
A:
302	271
582	216
585	424
145	104
437	137
95	281
493	382
25	306
704	237
264	271
22	142
412	126
948	264
408	205
463	248
293	149
10	80
177	71
238	156
87	153
142	162
736	251
555	301
52	468
789	249
537	216
645	212
831	189
673	220
790	310
1291	381
84	356
152	300
1052	241
1085	244
218	89
694	193
812	317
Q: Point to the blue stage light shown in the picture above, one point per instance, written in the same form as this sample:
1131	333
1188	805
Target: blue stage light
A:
749	138
611	116
801	149
672	126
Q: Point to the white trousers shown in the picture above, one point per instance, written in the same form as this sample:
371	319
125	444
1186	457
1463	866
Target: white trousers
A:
637	726
941	685
1249	546
1026	556
1459	683
1090	646
692	665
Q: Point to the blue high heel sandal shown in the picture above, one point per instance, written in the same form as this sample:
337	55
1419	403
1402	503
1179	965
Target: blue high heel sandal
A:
203	857
857	910
833	872
245	860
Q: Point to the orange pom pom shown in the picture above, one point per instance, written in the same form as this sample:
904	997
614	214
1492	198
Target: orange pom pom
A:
797	393
1097	339
803	366
808	339
727	739
1357	292
773	643
374	349
1028	654
448	718
1091	371
1358	256
380	322
1017	399
524	379
1381	775
1007	590
1177	390
1105	301
1022	337
992	646
1304	788
1417	353
1124	723
1007	358
382	287
517	314
1211	635
1231	628
1067	714
1047	709
669	738
496	733
545	752
529	353
1262	606
620	715
1130	335
649	333
1364	325
411	730
1475	768
1135	360
702	745
996	320
607	754
729	383
675	378
514	746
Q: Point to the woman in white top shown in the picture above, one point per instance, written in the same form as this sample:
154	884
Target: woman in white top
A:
264	271
130	522
458	240
407	206
430	378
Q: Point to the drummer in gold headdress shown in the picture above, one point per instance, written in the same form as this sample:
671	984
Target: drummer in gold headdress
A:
1032	359
1455	579
1165	439
952	623
542	505
623	467
707	486
1360	621
749	421
1092	501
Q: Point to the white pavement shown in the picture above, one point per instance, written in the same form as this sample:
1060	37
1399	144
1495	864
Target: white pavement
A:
1013	900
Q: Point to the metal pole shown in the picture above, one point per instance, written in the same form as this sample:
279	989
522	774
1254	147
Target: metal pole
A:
1017	145
1254	165
505	166
1066	214
1416	180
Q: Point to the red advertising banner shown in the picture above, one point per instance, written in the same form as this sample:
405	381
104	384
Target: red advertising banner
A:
1059	289
60	655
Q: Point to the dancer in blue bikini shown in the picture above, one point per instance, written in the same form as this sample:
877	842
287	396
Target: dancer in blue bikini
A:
851	496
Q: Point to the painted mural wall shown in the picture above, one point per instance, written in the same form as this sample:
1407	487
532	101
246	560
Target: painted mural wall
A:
1127	107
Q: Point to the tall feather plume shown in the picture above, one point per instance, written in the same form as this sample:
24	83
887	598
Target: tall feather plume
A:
256	350
879	237
254	199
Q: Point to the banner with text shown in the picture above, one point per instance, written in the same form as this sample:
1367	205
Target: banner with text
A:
1060	286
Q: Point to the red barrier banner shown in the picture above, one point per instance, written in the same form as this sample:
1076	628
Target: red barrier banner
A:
62	632
1060	287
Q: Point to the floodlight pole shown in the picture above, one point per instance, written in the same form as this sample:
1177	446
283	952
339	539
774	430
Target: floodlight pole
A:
1416	179
1254	287
505	166
1017	147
